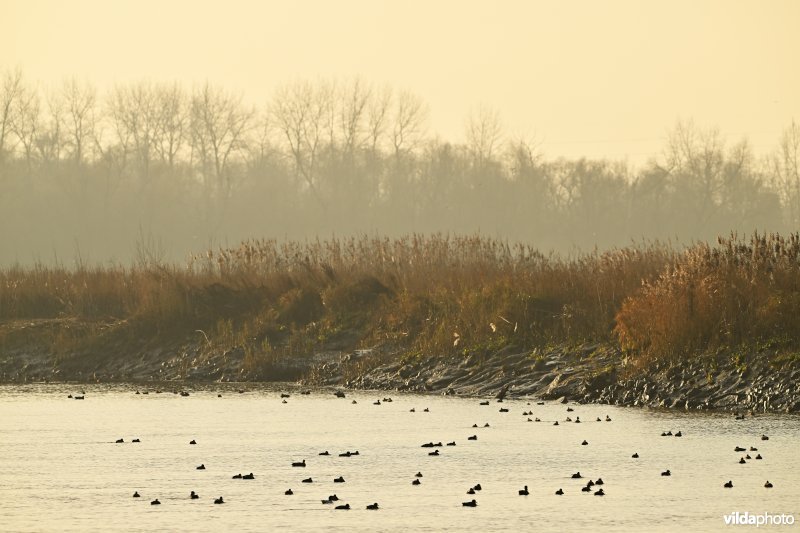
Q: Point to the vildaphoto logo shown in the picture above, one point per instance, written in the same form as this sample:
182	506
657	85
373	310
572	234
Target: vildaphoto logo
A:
763	519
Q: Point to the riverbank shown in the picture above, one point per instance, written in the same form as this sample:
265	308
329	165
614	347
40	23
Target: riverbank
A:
588	373
710	326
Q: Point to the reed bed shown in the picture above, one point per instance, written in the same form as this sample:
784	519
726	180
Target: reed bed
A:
436	295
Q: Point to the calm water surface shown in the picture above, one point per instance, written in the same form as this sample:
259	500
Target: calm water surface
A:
60	469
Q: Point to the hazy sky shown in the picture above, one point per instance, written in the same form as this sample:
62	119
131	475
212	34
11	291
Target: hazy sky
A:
586	77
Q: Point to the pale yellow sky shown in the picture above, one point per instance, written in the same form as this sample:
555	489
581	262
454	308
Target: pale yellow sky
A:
587	77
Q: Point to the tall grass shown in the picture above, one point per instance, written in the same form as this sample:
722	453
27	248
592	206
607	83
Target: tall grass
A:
433	295
738	292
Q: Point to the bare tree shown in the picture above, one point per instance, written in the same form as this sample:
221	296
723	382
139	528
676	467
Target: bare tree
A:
300	111
219	124
79	101
484	132
354	99
378	110
408	127
10	90
695	161
785	167
25	121
172	118
136	122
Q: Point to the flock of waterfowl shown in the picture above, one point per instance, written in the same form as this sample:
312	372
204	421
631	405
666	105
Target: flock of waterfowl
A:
595	487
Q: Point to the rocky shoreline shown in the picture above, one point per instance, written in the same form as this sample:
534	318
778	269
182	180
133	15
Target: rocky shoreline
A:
589	374
758	382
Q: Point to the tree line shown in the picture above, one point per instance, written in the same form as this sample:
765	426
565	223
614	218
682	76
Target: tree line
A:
164	170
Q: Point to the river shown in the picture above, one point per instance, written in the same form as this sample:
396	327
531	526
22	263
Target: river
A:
61	469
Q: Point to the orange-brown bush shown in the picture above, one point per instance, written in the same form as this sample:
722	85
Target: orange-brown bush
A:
735	293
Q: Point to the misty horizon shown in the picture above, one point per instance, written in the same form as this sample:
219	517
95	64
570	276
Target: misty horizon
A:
177	170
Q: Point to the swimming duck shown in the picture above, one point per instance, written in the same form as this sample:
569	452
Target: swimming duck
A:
324	453
753	449
428	445
577	475
284	401
301	464
635	455
524	492
325	502
537	420
155	502
555	423
560	492
339	479
249	476
599	419
486	425
474	425
219	500
742	461
201	467
192	441
728	485
485	403
759	457
345	507
372	506
747	457
568	419
587	488
599	481
473	437
584	443
764	437
600	493
416	482
539	403
503	410
118	441
307	480
472	503
412	410
590	483
452	443
193	495
478	487
345	454
136	494
529	420
471	491
768	485
237	476
738	449
679	434
339	394
577	420
418	474
570	409
666	473
376	402
333	498
608	418
354	402
136	440
289	492
284	395
434	452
